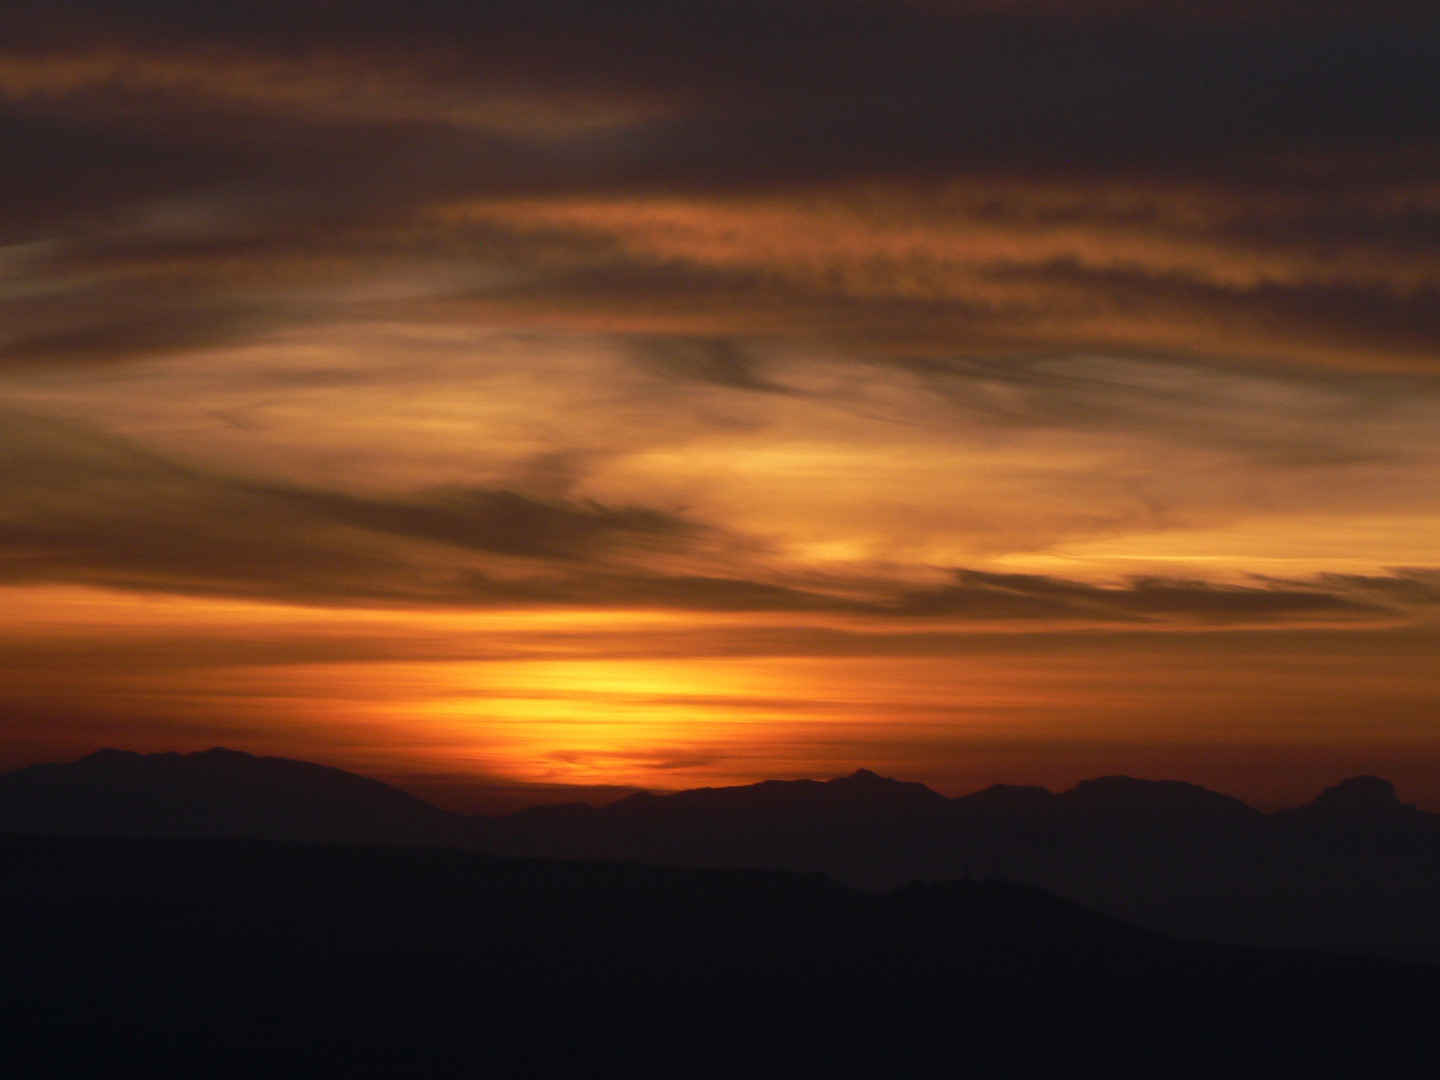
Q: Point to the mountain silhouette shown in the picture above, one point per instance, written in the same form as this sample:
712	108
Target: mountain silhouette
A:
1360	800
202	958
216	793
1125	801
1354	871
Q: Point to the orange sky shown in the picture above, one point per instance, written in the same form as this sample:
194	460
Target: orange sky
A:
647	394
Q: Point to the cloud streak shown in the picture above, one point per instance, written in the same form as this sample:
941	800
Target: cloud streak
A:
82	507
958	177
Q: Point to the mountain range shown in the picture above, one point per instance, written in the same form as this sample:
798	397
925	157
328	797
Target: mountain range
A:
1356	870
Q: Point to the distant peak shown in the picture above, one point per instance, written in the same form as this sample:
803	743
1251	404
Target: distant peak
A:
109	753
1367	788
1154	799
870	787
865	778
1365	795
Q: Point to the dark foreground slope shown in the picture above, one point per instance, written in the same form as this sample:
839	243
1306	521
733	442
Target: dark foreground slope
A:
199	959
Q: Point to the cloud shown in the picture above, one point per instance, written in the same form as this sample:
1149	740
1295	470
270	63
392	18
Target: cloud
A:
723	361
80	507
495	522
775	91
1286	421
978	595
84	507
981	267
1068	359
1243	180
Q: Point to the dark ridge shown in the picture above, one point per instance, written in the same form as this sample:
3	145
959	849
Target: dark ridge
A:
186	958
1361	798
1154	802
1009	799
1355	871
216	793
867	788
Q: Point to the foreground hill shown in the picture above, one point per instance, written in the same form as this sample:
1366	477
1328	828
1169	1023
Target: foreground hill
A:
1355	871
184	958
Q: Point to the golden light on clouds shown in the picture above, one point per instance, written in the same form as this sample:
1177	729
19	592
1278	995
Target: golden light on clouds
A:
649	699
666	394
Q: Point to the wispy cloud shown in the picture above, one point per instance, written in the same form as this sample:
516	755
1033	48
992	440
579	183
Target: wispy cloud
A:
857	334
83	507
1184	177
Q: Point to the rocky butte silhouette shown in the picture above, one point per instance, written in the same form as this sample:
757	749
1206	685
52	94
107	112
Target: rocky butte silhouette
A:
1354	871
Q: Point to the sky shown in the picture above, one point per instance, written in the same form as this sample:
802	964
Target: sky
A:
541	399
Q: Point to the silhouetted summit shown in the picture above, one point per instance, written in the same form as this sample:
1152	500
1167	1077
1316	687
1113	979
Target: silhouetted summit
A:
1361	799
1123	800
216	793
863	788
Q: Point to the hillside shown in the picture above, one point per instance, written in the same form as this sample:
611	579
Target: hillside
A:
184	958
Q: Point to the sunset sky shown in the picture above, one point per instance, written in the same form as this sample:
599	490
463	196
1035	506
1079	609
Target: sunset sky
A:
517	397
